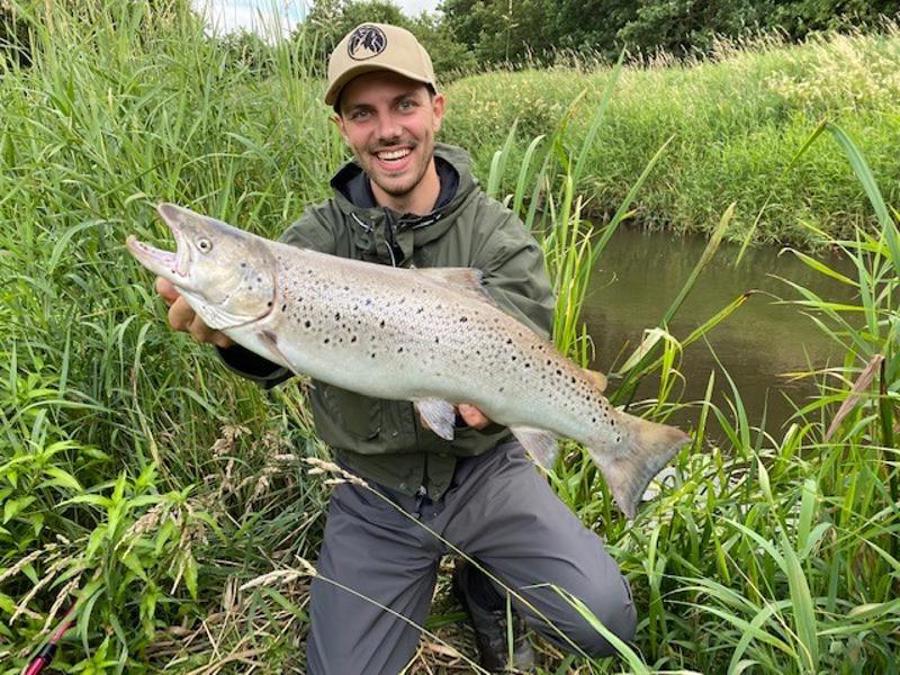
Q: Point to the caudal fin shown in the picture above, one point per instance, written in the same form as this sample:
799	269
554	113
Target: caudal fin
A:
645	448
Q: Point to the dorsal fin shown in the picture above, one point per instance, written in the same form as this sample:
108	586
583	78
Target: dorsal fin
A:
465	280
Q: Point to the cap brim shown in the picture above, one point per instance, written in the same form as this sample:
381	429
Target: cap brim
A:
335	89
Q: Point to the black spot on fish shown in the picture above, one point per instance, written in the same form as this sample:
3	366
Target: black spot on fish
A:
399	350
327	340
463	319
436	340
372	355
337	316
558	371
269	304
353	339
368	301
381	323
514	357
509	341
307	323
284	307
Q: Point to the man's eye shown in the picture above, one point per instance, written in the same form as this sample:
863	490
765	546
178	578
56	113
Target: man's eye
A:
407	105
358	114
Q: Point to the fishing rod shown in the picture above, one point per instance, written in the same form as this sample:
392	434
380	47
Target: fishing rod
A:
43	658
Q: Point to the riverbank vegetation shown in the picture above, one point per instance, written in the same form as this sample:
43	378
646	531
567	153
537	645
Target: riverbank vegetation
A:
736	124
172	504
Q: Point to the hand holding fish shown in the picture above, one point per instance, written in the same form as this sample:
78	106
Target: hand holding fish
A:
182	317
472	416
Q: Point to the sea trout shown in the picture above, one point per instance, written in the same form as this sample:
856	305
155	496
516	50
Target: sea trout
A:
431	336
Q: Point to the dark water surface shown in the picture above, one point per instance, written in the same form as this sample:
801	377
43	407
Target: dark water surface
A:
638	276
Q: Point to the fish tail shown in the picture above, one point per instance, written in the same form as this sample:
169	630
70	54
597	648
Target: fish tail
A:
642	450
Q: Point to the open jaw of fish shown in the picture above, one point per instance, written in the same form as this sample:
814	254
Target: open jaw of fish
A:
431	336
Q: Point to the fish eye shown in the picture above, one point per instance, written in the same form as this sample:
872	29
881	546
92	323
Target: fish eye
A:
205	245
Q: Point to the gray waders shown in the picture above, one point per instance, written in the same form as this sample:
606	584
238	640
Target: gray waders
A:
498	510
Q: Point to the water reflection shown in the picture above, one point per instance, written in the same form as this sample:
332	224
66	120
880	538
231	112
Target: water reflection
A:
640	273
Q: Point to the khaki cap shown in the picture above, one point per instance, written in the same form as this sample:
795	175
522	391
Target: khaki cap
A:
377	46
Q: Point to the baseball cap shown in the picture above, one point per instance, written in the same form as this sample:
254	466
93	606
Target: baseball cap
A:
377	46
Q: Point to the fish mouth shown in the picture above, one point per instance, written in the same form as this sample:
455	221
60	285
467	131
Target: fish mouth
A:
172	265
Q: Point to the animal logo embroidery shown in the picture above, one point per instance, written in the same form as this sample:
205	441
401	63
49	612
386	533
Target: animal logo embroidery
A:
366	42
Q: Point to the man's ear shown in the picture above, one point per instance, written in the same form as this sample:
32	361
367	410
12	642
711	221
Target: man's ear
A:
437	105
339	123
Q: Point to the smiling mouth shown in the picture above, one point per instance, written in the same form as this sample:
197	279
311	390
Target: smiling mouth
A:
395	158
393	155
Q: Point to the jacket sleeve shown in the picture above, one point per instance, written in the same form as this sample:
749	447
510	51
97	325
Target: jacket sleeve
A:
512	263
312	232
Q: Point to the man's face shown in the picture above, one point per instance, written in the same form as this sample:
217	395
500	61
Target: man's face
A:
390	121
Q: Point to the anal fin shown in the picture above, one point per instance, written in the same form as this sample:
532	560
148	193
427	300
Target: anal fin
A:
540	444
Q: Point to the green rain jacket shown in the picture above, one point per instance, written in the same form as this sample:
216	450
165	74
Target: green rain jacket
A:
384	441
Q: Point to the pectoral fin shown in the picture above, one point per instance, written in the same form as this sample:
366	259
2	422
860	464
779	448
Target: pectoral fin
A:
540	444
438	415
269	341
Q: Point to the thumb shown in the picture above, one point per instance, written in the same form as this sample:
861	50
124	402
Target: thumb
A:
167	290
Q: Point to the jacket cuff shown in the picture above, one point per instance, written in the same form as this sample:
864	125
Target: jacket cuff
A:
254	367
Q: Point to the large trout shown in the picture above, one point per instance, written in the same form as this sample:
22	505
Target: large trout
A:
431	336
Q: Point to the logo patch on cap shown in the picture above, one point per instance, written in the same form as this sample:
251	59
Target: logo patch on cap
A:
366	42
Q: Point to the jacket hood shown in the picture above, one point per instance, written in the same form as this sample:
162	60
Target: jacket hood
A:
353	196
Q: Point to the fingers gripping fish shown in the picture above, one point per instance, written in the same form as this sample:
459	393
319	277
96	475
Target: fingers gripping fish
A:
359	326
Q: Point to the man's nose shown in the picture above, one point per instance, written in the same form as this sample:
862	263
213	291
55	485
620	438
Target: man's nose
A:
389	127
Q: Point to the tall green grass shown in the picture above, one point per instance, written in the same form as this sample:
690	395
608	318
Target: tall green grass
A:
146	486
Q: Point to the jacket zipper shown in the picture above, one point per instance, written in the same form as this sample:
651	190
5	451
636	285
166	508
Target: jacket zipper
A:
391	236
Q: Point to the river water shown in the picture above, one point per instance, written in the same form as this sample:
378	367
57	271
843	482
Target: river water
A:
639	274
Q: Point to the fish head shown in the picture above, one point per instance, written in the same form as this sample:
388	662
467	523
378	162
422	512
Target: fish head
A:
225	274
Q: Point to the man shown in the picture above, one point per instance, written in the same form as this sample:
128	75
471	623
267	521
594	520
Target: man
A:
406	200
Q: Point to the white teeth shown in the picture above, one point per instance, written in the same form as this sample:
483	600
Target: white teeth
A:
394	154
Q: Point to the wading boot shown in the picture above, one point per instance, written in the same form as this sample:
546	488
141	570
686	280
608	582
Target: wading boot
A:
487	612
